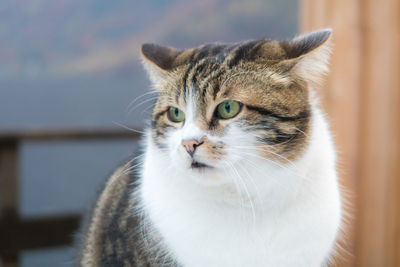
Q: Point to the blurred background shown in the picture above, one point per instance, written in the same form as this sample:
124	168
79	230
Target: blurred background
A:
73	94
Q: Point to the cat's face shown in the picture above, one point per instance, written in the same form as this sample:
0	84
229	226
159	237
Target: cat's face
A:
220	106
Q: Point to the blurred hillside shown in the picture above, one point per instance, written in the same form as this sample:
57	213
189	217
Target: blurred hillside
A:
46	38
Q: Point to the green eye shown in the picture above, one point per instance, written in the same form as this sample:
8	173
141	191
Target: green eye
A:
175	114
228	109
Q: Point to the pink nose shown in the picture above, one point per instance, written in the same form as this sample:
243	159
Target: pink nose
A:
191	145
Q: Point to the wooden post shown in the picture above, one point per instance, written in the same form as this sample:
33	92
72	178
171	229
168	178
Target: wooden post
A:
9	191
379	229
340	97
362	98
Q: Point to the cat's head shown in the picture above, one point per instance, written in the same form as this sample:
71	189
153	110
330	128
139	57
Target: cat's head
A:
220	105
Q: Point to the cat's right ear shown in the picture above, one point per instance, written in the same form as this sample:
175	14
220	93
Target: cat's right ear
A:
310	53
159	61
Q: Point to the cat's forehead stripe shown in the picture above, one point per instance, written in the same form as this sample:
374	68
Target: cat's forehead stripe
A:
240	52
206	64
198	75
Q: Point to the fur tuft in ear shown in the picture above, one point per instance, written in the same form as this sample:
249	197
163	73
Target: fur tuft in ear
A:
312	53
158	61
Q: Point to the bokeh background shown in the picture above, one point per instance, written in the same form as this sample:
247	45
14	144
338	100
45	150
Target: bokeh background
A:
73	94
70	69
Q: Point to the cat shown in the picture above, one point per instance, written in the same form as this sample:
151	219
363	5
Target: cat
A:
238	166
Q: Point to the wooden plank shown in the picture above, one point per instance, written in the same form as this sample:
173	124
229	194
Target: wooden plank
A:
37	233
68	134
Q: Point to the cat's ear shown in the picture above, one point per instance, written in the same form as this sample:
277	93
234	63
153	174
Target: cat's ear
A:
159	61
310	53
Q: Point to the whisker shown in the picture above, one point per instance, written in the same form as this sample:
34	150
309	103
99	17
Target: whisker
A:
247	193
139	97
268	151
141	103
248	176
270	161
128	128
236	186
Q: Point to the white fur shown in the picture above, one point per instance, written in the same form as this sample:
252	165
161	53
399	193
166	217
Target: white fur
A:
248	211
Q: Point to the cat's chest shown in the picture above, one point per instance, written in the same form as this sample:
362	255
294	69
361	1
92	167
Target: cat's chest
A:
219	245
202	233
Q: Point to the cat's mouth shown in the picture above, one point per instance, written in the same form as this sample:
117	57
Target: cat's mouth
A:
199	165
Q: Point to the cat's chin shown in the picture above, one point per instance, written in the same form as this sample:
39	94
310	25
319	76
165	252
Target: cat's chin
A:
198	170
200	166
205	174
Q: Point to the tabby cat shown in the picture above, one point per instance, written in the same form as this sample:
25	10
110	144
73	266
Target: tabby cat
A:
238	166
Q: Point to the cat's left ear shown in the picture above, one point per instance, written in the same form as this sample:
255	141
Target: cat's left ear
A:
159	61
310	53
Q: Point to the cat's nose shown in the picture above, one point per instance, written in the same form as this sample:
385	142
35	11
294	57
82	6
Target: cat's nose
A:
191	145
